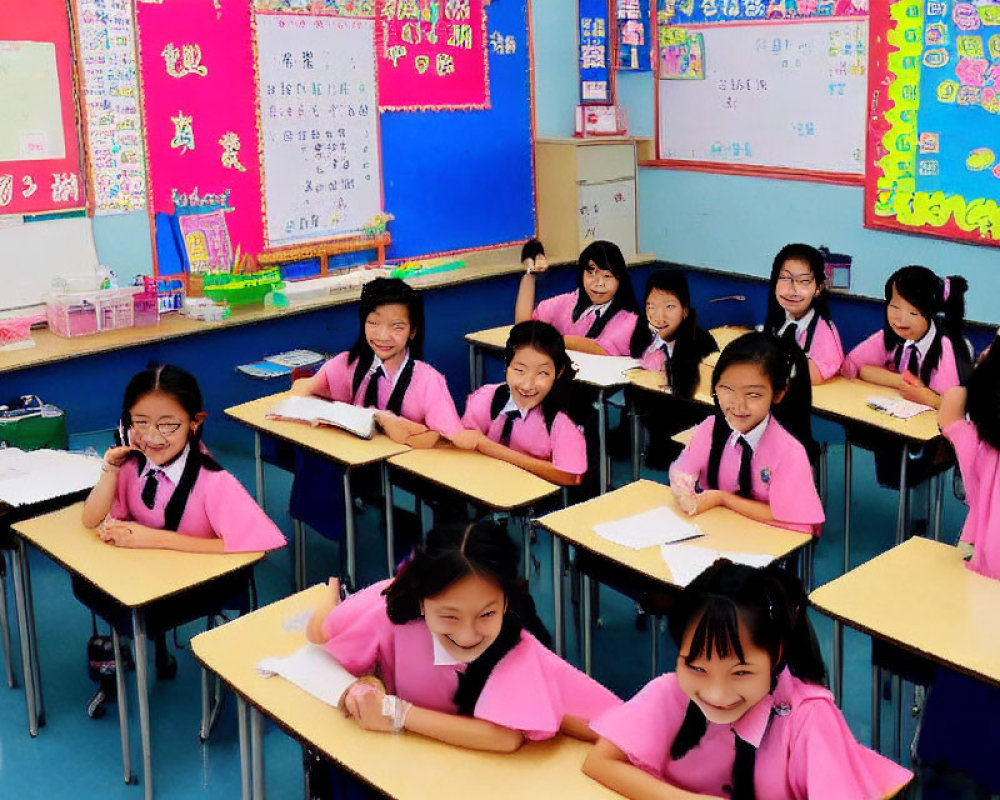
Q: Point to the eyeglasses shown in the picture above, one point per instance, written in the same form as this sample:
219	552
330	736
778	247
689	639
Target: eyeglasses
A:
165	429
805	282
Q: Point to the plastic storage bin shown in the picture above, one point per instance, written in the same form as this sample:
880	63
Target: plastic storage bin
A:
90	312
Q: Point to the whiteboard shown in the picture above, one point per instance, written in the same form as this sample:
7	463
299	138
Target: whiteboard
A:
782	95
319	126
31	123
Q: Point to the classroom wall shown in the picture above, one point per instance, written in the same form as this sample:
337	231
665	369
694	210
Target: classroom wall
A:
736	223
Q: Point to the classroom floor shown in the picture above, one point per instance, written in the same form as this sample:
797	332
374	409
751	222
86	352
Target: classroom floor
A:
89	750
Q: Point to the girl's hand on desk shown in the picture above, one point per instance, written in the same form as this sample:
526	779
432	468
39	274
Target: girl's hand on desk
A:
914	390
703	501
127	534
467	439
365	708
399	429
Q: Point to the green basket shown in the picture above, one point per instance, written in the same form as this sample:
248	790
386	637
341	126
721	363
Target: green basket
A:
242	290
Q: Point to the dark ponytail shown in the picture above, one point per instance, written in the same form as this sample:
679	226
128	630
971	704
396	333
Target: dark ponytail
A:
451	553
983	397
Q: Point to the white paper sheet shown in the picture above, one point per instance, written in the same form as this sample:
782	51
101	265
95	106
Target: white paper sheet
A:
688	561
39	475
602	370
659	525
313	670
897	406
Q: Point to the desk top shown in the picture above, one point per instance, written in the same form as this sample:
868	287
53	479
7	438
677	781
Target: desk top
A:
656	382
723	529
487	480
491	338
845	401
920	596
723	336
333	443
406	766
133	577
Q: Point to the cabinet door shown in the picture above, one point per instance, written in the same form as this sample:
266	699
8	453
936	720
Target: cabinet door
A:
607	211
596	163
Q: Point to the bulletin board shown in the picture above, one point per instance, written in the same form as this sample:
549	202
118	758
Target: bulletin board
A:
39	144
934	133
763	88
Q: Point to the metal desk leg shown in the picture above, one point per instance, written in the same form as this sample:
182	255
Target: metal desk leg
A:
897	735
588	645
299	554
654	642
20	560
876	708
524	522
243	726
602	437
257	754
636	443
390	529
557	598
938	504
904	496
838	626
33	639
122	700
475	367
258	465
8	657
142	690
350	533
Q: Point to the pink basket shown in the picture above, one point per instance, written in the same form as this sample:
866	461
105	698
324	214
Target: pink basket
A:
90	312
14	330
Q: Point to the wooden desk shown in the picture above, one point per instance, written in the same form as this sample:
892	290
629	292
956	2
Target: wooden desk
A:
491	339
920	596
406	766
334	444
486	481
723	529
134	578
723	336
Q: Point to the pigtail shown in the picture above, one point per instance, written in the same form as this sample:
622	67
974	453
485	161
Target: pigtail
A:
794	411
720	436
953	289
743	769
642	338
787	605
691	346
983	398
559	396
473	680
689	735
198	458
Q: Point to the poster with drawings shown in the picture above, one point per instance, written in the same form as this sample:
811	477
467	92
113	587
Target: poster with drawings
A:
319	126
111	97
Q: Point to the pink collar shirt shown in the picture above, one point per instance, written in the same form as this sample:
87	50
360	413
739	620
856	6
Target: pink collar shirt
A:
872	352
616	337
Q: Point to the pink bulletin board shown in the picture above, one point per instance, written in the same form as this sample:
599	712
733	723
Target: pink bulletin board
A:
40	165
432	55
199	98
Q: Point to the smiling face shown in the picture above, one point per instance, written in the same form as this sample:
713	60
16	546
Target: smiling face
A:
530	376
599	284
745	395
724	688
161	427
664	313
904	318
388	332
796	287
466	617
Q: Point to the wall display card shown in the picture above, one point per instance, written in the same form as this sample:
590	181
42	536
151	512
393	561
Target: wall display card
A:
432	55
933	161
108	66
595	52
632	19
319	126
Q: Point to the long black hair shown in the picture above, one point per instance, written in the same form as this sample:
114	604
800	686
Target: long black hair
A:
180	385
983	398
383	292
545	339
771	605
786	367
453	552
775	318
691	343
941	301
607	256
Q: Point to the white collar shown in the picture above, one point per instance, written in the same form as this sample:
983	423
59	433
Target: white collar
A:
377	364
512	406
442	658
753	436
923	344
800	324
602	308
173	471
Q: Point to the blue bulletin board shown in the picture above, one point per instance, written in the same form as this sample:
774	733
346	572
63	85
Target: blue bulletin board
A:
594	37
462	179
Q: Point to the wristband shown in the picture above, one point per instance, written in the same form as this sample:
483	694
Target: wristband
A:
396	709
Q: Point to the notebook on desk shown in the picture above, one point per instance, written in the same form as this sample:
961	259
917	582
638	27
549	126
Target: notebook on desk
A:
317	411
35	476
897	406
602	370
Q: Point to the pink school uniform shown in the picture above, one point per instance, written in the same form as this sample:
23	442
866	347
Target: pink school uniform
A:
872	352
530	690
980	466
825	350
558	312
563	445
426	401
218	507
782	475
654	358
805	751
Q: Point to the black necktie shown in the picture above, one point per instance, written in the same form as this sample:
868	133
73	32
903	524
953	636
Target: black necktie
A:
149	488
790	332
508	426
668	366
746	469
597	314
371	392
913	363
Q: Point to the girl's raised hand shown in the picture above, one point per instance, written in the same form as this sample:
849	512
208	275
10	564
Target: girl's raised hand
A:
537	264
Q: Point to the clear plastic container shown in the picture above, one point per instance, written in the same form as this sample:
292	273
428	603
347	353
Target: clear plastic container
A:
90	312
